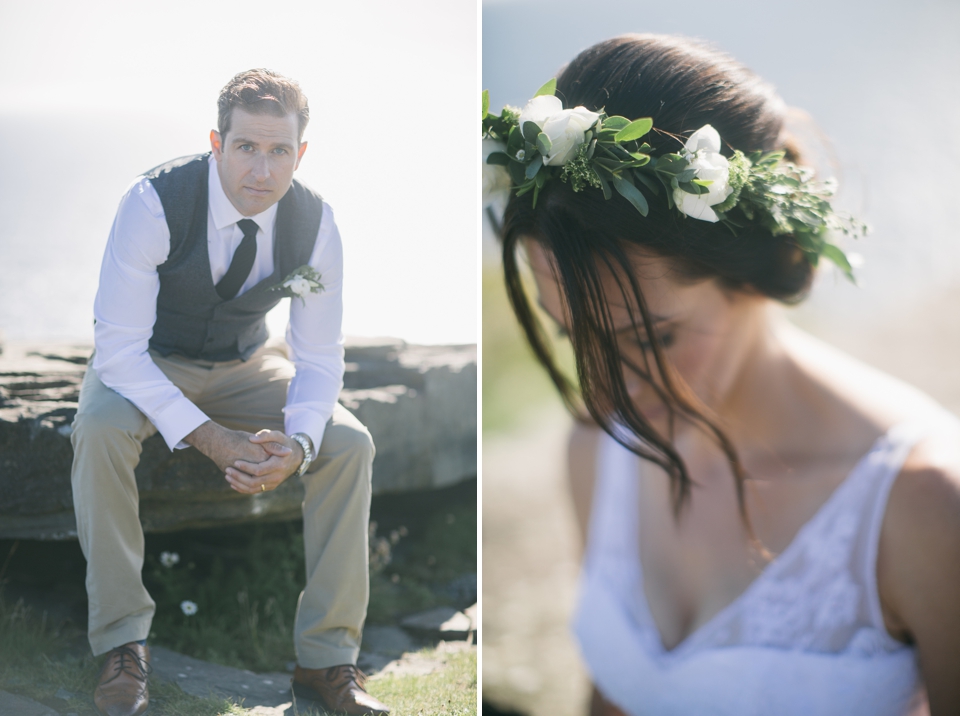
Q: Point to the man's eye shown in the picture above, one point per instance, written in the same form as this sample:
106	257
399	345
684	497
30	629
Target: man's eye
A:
279	150
246	147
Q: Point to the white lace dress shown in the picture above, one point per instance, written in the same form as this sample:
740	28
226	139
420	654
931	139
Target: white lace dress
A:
806	638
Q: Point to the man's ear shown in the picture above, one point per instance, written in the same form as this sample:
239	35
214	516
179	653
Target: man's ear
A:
215	145
303	148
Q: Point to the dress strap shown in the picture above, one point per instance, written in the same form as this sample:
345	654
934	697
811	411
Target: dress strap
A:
613	512
886	464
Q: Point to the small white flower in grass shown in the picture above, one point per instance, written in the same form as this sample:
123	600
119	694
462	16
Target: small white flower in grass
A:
187	607
168	559
702	152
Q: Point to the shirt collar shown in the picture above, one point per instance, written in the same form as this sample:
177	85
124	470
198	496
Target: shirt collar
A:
225	213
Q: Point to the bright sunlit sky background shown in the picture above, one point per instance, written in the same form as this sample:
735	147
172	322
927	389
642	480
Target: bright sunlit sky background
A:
881	79
95	93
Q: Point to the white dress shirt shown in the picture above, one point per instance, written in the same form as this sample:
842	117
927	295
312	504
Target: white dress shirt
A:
126	309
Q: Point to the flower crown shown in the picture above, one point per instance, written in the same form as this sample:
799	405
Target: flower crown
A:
524	149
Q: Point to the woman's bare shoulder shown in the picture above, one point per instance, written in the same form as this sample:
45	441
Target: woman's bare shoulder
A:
582	448
918	569
858	391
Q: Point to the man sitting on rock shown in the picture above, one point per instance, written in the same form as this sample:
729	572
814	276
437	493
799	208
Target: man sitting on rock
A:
201	248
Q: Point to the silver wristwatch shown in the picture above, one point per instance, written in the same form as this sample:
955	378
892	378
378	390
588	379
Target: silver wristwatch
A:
305	443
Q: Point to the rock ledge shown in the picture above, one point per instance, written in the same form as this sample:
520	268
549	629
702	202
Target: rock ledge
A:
419	403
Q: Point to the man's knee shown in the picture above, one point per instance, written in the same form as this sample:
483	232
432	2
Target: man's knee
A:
350	439
103	411
356	440
103	419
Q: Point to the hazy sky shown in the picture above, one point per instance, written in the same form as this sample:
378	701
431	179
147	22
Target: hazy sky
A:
97	92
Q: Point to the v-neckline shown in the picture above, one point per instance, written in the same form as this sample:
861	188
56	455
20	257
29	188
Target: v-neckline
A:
713	623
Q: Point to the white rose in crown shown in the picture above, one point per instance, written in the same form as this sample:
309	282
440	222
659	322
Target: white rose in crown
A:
702	152
300	283
496	179
564	127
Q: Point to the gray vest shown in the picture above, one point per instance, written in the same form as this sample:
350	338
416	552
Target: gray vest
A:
192	319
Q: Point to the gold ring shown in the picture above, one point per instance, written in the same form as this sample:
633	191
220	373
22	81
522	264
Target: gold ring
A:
263	487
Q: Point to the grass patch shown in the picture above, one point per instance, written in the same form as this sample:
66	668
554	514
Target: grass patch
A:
443	549
244	582
32	665
450	691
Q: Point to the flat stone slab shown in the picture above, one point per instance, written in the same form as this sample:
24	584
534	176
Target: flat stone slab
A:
201	678
13	705
446	621
269	694
419	403
382	645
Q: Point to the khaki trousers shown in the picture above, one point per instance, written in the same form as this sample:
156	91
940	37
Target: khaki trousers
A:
241	395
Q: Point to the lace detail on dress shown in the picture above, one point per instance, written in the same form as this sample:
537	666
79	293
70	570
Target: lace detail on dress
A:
810	601
814	596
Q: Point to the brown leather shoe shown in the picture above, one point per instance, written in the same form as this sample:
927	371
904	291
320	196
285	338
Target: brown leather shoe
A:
339	689
122	690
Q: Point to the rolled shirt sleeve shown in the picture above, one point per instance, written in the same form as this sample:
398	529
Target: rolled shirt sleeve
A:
126	309
315	339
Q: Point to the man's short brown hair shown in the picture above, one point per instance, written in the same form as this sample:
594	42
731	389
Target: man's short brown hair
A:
262	91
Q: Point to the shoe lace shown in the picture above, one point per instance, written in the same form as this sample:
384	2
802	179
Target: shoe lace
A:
131	663
341	676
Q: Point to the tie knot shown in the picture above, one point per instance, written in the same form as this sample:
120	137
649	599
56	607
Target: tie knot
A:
248	227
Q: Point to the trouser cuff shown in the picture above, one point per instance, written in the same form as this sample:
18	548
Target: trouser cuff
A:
129	631
320	657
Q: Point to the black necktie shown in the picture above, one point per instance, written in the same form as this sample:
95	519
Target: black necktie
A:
242	261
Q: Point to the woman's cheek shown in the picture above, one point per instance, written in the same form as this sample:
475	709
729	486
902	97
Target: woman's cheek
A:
694	360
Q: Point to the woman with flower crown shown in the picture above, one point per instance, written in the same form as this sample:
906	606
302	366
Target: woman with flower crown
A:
770	526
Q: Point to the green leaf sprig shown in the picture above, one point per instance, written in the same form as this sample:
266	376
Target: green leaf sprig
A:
300	282
780	196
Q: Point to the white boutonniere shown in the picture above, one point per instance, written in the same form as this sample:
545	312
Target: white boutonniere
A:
299	283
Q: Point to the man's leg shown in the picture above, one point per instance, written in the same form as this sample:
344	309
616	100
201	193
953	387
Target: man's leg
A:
250	395
107	434
336	509
336	515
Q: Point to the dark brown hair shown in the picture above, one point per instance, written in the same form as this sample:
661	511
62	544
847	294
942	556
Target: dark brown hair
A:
682	84
262	92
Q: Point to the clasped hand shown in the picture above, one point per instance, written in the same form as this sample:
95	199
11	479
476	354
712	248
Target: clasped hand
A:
283	458
251	463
